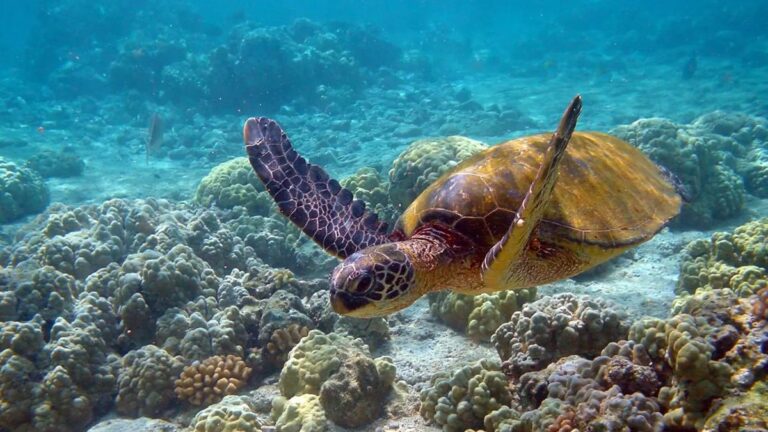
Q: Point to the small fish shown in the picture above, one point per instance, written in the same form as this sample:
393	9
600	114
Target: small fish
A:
689	69
155	134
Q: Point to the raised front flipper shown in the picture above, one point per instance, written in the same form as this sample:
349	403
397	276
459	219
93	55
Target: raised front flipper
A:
306	195
505	263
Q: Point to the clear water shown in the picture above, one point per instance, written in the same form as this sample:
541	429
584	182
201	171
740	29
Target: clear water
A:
353	83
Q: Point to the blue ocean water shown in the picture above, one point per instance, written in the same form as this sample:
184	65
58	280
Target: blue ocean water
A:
137	241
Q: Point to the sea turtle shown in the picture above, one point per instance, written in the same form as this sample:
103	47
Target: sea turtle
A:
519	214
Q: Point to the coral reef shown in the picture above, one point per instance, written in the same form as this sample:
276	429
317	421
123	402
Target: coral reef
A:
207	382
49	164
303	58
555	327
702	369
576	394
282	342
479	315
233	183
709	351
302	413
367	185
145	382
232	414
351	386
461	400
22	192
737	260
423	162
102	305
710	156
373	331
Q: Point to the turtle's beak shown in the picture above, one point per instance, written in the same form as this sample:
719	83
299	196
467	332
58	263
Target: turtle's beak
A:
346	304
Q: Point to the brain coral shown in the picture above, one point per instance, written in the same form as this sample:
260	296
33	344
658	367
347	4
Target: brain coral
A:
423	162
22	192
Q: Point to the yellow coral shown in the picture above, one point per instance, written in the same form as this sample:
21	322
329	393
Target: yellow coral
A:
233	414
233	183
299	414
207	382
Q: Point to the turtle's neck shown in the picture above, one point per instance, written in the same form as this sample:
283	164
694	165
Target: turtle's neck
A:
443	259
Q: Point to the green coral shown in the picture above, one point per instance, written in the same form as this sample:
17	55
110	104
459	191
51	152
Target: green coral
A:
52	164
711	351
423	162
479	315
461	400
233	183
145	383
367	185
22	192
737	260
711	156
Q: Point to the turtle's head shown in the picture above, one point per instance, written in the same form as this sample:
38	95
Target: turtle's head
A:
376	281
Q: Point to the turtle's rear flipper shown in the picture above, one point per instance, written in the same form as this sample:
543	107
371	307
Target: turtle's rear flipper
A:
504	265
306	195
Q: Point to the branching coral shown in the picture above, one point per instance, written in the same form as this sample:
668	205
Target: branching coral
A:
207	382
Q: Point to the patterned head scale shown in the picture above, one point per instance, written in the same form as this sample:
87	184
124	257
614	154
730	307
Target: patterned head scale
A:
376	282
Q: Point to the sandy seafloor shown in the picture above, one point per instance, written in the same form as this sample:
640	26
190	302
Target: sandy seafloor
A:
642	282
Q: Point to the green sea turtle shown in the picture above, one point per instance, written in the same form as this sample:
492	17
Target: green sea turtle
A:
519	214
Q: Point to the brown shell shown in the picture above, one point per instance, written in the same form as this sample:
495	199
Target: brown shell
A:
608	193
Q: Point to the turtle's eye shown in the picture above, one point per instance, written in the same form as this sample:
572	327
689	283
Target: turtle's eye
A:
364	283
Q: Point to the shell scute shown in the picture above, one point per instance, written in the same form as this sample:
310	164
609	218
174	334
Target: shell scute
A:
608	193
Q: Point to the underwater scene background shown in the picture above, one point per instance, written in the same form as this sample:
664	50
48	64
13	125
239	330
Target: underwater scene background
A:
147	282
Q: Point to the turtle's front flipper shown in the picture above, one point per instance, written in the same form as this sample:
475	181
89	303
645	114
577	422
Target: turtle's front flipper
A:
504	264
307	196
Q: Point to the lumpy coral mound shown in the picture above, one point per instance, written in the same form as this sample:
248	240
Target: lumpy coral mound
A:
737	260
718	157
207	382
22	192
